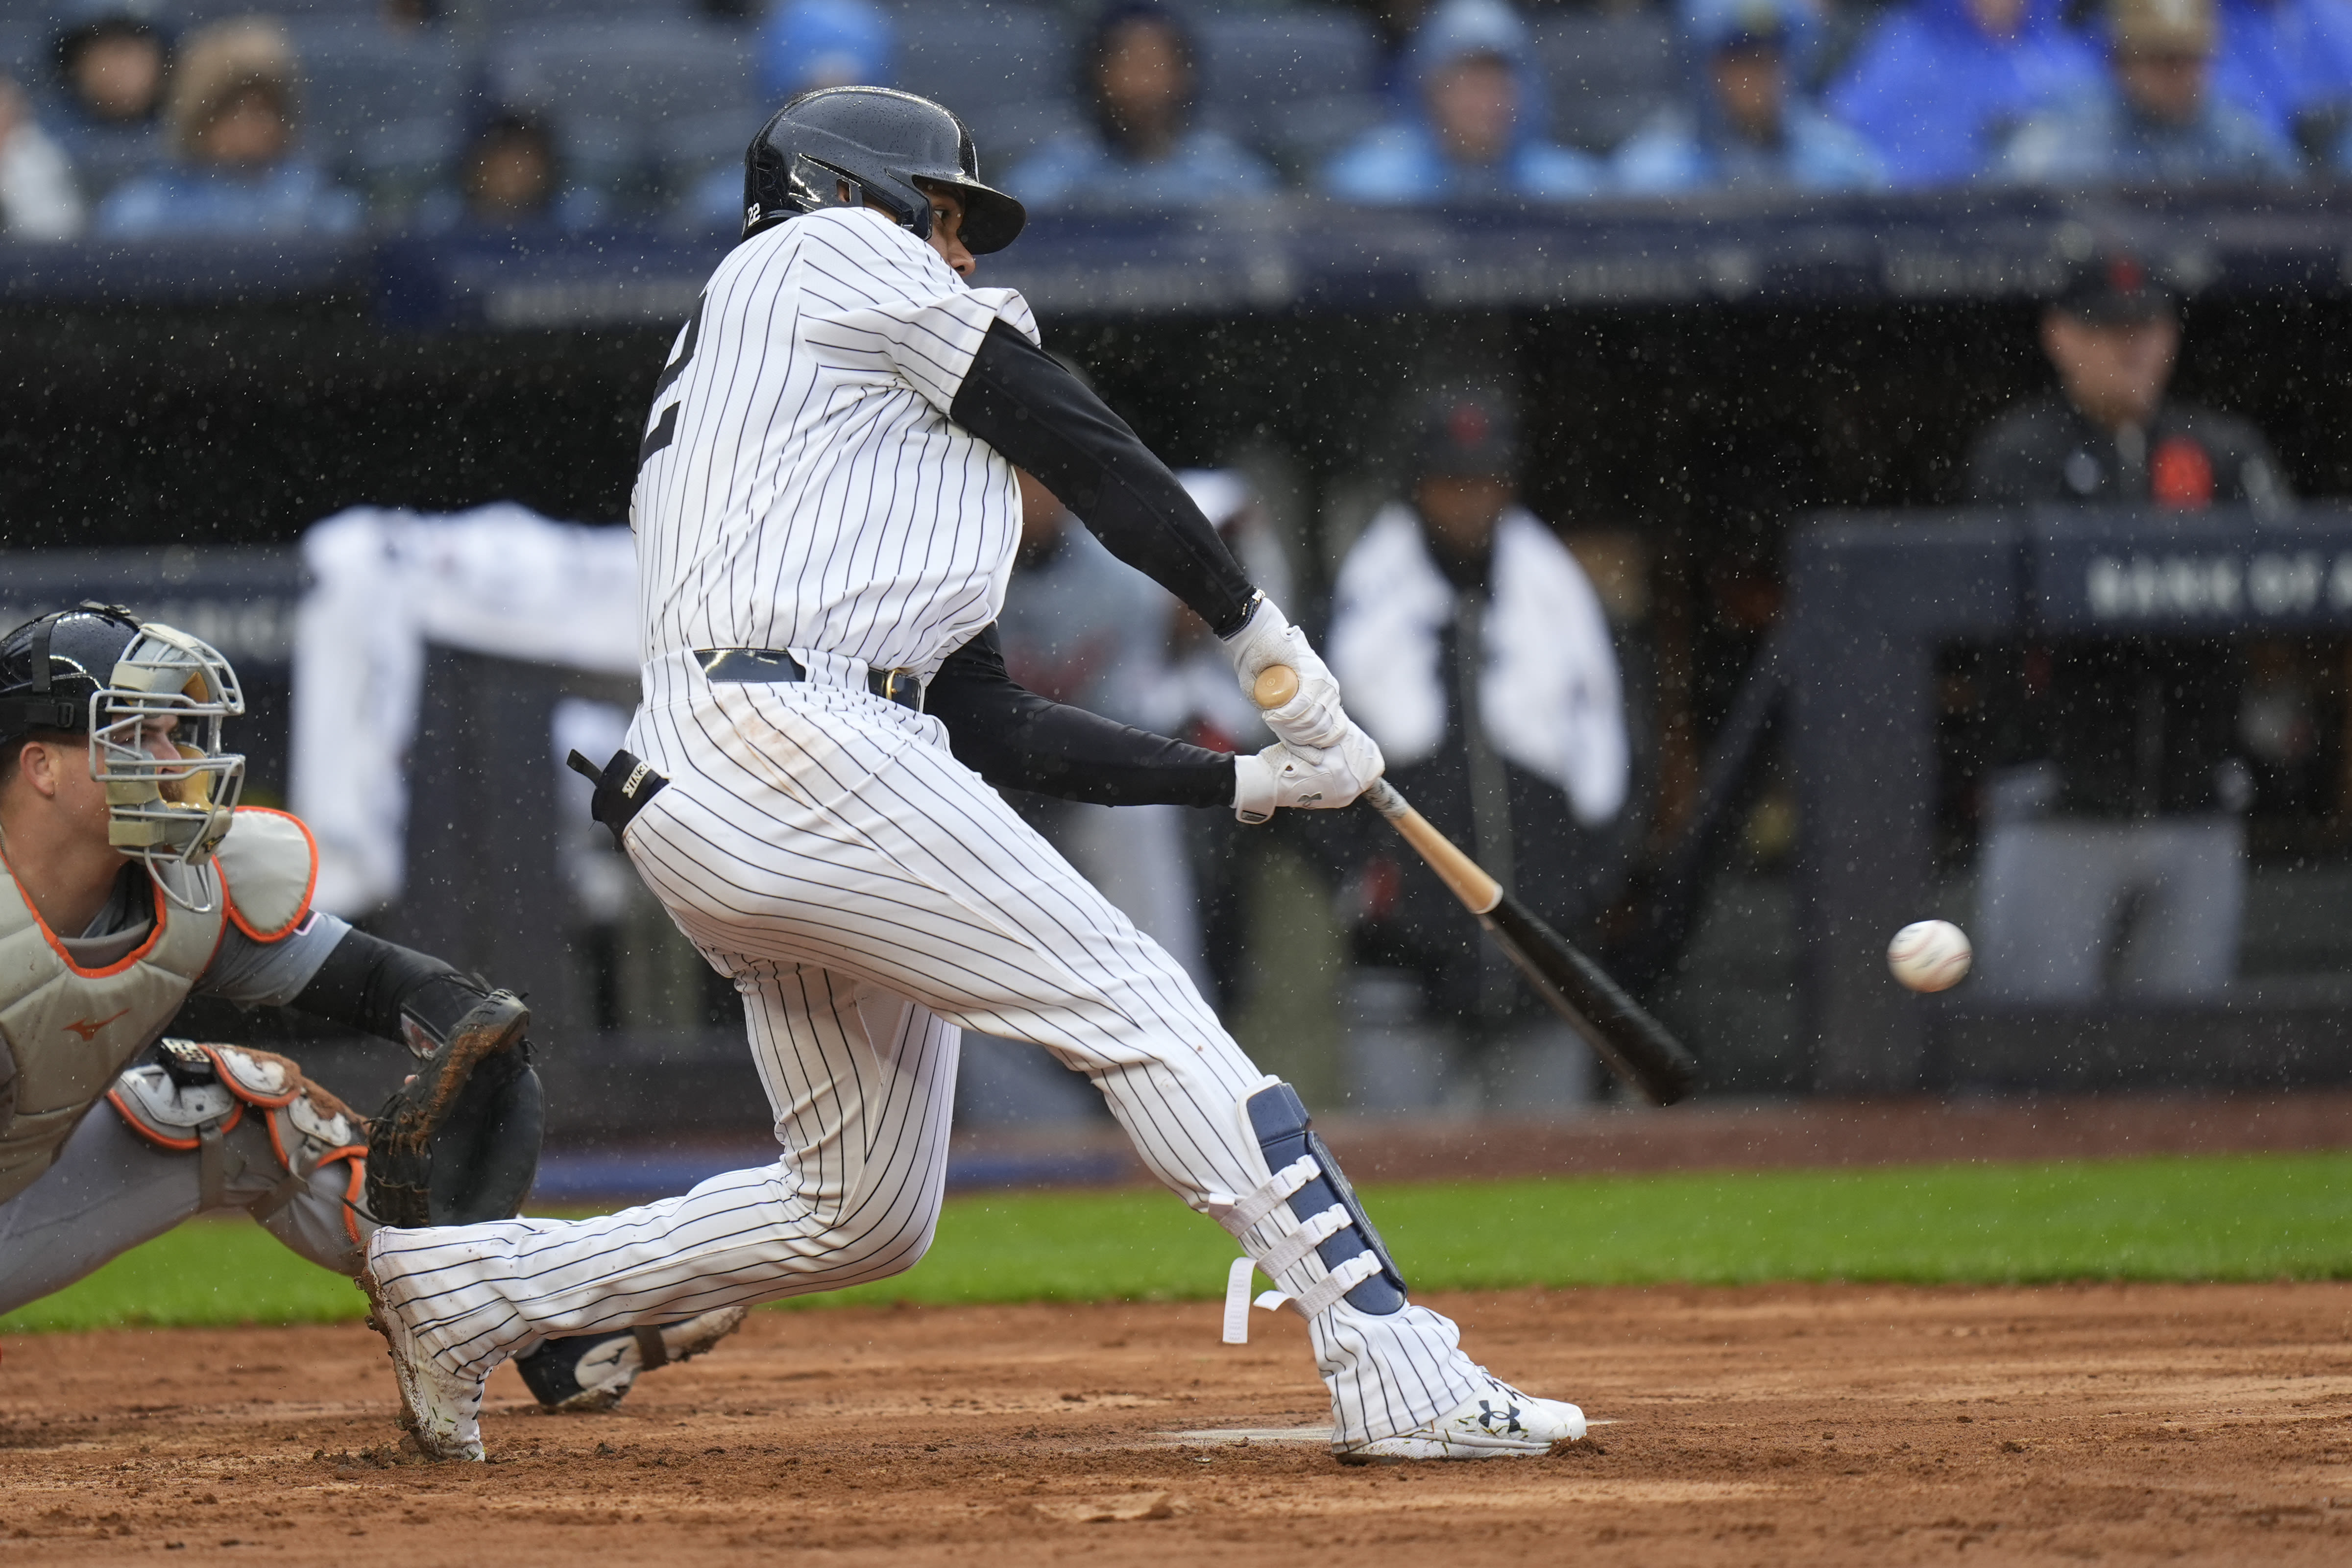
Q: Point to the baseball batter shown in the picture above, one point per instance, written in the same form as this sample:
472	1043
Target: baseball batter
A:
826	515
130	881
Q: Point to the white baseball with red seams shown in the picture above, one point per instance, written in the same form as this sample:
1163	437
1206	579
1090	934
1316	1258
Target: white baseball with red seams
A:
1930	955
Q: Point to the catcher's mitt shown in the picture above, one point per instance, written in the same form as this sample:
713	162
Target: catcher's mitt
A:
459	1143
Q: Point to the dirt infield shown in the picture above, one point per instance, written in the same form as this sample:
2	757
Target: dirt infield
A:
1833	1424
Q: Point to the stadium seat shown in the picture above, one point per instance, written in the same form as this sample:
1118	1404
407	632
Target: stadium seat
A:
505	16
382	108
1297	83
24	54
1008	132
196	12
1607	74
977	57
690	146
617	91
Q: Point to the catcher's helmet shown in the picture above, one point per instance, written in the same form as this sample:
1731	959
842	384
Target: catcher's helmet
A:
51	667
99	671
881	141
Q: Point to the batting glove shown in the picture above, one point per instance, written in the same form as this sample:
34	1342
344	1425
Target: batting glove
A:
1280	777
1313	719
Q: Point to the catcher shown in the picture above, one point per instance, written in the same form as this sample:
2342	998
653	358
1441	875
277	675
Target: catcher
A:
129	879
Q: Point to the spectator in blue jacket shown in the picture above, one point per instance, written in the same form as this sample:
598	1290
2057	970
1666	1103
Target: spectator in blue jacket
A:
1939	85
2288	63
1474	129
810	43
511	180
1746	127
235	170
114	62
804	45
1139	76
2156	121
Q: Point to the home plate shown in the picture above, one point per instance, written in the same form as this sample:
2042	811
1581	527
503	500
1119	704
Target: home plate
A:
1252	1435
1272	1433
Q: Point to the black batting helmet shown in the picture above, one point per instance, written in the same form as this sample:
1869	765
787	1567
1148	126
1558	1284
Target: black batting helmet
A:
881	141
51	667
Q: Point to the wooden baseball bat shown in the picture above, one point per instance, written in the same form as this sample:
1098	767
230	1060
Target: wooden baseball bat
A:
1637	1047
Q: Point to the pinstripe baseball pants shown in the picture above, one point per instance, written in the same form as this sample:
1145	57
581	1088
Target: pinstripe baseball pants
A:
872	897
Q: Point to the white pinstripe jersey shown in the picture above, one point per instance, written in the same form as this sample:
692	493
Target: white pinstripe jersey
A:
801	484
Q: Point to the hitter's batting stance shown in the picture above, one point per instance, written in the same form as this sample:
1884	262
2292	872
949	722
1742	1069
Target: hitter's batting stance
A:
130	881
825	515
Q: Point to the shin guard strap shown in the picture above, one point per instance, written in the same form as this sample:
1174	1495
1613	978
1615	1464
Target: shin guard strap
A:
1327	1291
1238	1218
1316	1230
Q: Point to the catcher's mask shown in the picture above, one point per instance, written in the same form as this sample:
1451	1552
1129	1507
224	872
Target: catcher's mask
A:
171	792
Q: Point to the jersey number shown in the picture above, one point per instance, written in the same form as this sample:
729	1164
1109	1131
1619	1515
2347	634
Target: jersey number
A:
665	429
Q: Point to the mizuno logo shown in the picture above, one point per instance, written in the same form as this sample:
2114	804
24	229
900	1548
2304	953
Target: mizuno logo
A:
88	1030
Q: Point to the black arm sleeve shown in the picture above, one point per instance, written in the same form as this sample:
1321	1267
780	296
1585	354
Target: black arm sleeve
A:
1018	740
368	983
1043	418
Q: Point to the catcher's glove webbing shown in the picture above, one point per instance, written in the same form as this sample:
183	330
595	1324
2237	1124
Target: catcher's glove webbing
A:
458	1144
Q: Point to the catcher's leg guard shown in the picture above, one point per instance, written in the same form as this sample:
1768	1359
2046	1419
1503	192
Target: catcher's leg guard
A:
1305	1205
198	1099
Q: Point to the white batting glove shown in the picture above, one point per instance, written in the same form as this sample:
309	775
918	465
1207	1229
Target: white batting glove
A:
1280	777
1313	719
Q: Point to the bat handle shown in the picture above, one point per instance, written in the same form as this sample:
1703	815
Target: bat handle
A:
1276	684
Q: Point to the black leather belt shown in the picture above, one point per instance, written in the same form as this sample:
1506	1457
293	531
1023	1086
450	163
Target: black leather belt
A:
751	666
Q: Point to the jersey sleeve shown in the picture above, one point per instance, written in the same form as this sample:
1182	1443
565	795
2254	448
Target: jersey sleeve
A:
882	301
1018	740
1045	420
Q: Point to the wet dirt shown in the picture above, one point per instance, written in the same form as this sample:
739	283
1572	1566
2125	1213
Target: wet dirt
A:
1826	1425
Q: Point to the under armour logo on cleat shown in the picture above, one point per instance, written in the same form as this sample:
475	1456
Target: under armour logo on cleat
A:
1508	1416
88	1030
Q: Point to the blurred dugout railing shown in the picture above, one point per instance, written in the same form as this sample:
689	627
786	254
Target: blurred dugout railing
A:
1873	599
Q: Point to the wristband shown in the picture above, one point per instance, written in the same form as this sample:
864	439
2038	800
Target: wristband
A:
1254	794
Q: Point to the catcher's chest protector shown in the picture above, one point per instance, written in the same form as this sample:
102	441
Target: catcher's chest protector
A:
66	1033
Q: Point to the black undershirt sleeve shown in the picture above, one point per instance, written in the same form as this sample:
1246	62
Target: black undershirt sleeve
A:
367	983
1018	740
1044	419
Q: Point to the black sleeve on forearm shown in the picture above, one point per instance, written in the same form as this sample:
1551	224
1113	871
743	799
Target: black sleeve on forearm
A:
1043	418
366	983
1018	740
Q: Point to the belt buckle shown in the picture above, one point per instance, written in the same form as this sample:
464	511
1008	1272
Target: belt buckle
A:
893	681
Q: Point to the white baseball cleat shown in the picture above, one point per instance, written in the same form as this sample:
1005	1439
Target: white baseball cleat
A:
591	1372
1496	1423
442	1412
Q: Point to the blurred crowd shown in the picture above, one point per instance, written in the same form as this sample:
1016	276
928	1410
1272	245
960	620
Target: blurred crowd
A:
136	118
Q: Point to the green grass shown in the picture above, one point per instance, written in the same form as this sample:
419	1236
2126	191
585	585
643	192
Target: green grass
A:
2249	1217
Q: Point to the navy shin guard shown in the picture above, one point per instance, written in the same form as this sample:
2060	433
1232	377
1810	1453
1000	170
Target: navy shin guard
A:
1279	1119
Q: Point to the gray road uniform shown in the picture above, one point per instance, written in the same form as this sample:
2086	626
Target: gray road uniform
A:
215	901
101	1149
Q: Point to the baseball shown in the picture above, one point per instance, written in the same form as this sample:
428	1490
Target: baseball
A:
1929	954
